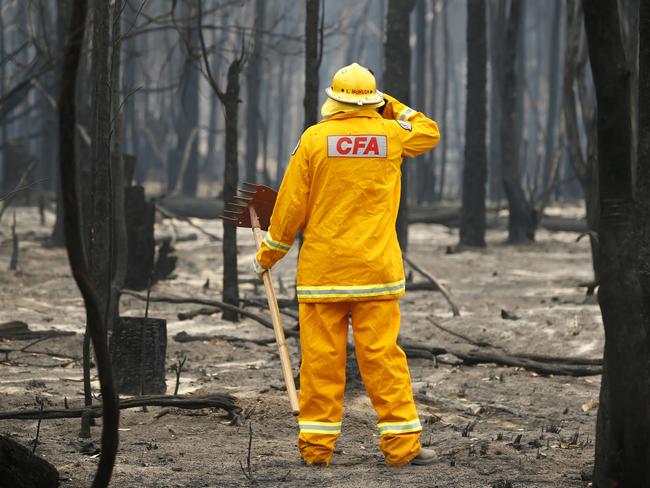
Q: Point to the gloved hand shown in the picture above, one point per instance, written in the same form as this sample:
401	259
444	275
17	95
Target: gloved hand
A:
258	268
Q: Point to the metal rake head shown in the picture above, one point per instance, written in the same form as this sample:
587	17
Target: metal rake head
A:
260	197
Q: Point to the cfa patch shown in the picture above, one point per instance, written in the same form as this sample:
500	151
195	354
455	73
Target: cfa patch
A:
405	125
296	148
357	146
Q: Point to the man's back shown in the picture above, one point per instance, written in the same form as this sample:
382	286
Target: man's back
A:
343	183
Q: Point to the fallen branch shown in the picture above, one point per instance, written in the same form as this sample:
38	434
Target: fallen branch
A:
171	215
435	282
550	365
212	303
459	335
222	401
185	337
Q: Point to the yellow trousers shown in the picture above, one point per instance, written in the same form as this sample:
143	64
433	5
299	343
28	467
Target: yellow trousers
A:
383	367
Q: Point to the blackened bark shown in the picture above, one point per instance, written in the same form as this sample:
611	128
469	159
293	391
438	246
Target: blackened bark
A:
622	450
522	220
472	223
99	218
552	118
230	180
118	247
423	162
397	82
253	80
20	468
585	166
138	347
312	62
445	99
75	246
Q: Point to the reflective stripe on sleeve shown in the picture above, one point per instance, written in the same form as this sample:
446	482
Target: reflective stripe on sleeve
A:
406	113
399	427
314	427
350	291
276	245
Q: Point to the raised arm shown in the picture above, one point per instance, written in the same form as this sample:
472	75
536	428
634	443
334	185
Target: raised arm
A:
420	133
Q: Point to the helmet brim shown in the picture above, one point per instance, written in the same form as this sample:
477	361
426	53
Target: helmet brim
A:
361	100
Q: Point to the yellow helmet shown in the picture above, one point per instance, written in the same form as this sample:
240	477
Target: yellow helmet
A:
355	85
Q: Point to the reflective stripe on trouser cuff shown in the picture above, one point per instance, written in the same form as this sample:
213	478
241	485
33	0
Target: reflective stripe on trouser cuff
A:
313	427
399	427
276	245
406	113
350	291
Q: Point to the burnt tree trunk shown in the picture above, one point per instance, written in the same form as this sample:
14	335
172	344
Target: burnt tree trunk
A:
396	79
313	41
138	348
19	468
584	163
230	180
472	223
445	99
140	218
622	449
522	220
74	242
253	80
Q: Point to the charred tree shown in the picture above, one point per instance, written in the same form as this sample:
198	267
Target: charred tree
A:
75	245
20	468
422	164
230	101
313	55
576	93
138	347
522	219
622	450
396	79
253	81
445	99
472	223
183	168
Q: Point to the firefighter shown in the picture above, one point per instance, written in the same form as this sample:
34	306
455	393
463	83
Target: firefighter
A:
342	190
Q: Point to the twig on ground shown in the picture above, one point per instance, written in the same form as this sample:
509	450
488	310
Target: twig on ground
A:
436	282
178	368
41	404
248	470
185	337
461	336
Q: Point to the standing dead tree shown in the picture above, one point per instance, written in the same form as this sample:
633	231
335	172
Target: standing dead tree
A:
472	223
522	219
313	56
74	242
396	79
622	449
230	101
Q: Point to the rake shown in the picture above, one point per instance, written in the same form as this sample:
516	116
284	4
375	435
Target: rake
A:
253	209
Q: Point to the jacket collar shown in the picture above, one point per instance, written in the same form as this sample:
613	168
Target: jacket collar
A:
368	112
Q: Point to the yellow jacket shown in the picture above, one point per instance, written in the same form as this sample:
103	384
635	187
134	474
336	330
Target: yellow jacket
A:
342	189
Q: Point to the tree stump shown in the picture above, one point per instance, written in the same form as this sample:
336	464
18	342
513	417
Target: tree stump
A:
140	216
19	468
138	347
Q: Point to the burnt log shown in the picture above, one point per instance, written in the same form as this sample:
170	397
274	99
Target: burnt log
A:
140	216
19	468
138	347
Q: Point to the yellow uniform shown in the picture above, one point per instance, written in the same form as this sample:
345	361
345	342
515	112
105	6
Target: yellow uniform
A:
342	189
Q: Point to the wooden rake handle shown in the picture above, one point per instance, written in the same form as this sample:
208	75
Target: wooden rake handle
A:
287	372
